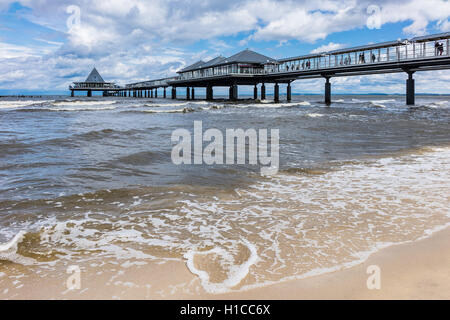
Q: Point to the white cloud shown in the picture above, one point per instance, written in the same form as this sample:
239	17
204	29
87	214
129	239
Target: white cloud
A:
328	47
130	40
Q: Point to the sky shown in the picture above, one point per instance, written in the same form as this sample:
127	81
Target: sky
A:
45	45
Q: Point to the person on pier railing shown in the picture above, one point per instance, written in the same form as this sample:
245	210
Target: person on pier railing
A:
438	48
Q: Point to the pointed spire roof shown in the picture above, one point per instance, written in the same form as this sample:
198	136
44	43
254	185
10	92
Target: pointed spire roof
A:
95	77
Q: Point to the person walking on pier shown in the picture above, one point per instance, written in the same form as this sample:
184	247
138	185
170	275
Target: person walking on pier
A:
438	48
441	48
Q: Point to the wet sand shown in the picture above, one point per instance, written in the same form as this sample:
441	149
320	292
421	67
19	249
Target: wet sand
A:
416	270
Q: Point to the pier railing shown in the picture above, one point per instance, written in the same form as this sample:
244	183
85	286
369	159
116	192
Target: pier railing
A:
93	85
152	83
401	51
394	51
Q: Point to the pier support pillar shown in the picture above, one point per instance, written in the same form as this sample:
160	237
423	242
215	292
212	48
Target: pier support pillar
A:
151	93
255	92
192	93
410	90
209	93
156	92
234	90
188	93
174	93
276	93
263	92
89	93
327	91
72	94
164	93
289	92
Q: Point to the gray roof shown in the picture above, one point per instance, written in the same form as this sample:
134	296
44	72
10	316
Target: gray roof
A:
213	62
431	37
249	56
194	66
245	56
95	77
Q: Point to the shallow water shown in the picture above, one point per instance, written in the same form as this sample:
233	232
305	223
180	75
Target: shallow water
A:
84	180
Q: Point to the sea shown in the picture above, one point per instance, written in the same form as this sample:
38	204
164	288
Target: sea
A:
89	184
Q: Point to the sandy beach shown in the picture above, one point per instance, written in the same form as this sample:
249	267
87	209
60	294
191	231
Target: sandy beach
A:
415	270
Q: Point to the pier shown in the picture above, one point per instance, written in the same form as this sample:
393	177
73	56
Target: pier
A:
247	67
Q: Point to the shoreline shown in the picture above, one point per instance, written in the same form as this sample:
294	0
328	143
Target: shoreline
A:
414	270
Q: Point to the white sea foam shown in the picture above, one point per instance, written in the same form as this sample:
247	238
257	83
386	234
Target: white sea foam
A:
314	115
6	104
299	224
82	103
183	110
8	251
235	273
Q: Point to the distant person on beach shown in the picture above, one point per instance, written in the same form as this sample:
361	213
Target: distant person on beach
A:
374	58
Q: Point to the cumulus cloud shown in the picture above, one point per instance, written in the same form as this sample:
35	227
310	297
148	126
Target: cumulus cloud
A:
132	40
328	47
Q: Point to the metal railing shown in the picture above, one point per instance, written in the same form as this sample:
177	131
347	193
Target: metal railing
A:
401	52
87	85
151	83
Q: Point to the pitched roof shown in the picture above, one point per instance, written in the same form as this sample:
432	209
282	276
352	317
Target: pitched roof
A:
249	56
431	37
194	66
213	62
95	77
245	56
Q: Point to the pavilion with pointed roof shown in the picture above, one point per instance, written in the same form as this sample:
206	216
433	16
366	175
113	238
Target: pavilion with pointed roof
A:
94	82
244	62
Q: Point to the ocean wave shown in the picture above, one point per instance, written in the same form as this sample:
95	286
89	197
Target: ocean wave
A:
75	103
183	110
15	104
69	109
9	250
298	223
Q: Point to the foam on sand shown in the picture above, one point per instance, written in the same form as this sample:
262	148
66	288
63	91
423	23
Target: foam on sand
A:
235	272
8	250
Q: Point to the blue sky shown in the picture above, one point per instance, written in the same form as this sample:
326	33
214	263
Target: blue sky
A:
44	47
